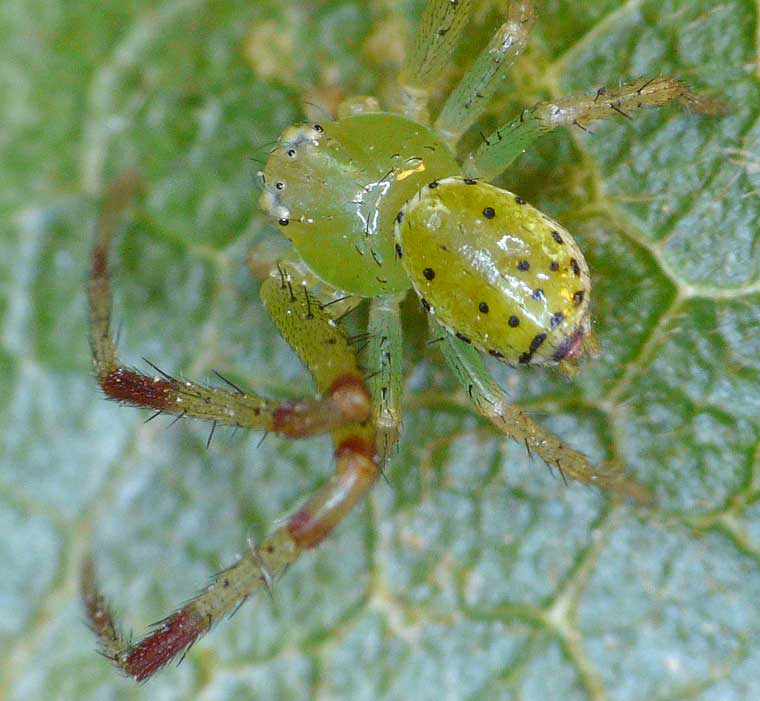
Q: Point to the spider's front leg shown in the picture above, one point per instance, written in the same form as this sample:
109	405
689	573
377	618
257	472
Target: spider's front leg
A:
342	403
492	402
438	34
327	352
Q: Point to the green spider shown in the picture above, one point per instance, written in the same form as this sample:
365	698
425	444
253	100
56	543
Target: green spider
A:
375	203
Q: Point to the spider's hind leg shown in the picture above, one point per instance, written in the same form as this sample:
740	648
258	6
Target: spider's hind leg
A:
385	372
492	402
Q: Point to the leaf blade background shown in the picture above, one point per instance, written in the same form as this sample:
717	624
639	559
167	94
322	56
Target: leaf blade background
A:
478	574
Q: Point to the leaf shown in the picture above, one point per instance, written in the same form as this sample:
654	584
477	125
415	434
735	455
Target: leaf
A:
477	573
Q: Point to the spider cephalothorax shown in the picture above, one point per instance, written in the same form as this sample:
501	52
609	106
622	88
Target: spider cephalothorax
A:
375	203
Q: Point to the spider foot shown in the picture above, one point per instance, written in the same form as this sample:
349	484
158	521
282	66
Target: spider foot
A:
171	636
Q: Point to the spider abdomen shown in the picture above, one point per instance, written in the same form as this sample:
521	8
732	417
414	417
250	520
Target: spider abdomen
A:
496	271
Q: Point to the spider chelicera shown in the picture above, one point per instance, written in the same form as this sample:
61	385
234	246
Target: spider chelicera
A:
375	202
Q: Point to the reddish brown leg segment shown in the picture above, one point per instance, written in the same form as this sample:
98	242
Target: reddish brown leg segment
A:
312	334
343	401
344	410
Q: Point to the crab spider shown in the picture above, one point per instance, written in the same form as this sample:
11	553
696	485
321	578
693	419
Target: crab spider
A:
375	203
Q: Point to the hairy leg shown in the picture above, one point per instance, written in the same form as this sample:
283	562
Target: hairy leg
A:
492	402
329	356
325	349
510	140
340	404
385	371
262	261
470	98
437	36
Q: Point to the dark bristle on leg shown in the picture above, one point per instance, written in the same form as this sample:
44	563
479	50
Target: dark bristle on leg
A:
343	409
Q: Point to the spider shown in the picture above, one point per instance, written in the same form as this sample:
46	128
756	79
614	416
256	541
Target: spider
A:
375	202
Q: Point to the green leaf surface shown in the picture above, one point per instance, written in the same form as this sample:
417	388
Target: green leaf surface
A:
477	574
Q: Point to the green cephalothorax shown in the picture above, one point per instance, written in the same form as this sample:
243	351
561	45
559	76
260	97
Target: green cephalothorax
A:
495	271
335	189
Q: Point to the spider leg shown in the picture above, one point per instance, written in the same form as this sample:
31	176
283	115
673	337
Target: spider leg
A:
505	144
492	402
385	371
469	99
325	349
437	36
342	403
263	262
